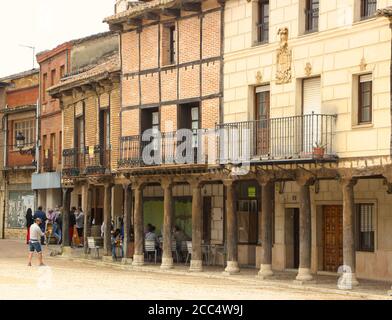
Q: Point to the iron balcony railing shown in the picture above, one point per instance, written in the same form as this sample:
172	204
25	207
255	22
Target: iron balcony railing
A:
305	137
86	161
181	147
298	137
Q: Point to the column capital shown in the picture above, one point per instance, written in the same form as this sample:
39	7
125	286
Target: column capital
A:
347	181
195	183
166	183
65	190
387	174
126	185
228	182
264	179
305	178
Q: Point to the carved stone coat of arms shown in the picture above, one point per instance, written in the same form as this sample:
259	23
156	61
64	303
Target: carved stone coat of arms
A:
283	58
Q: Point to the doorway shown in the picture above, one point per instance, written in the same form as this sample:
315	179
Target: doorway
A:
292	238
333	237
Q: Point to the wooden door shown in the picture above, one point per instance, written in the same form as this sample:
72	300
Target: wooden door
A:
333	237
296	237
262	120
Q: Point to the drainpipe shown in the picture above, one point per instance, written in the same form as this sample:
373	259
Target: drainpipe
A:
5	136
37	144
390	85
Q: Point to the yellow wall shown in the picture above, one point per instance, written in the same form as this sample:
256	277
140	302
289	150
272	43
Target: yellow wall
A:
335	54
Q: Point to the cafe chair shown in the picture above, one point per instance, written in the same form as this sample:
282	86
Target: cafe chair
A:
149	248
174	249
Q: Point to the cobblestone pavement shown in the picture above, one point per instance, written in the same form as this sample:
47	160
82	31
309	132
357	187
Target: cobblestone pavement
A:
65	279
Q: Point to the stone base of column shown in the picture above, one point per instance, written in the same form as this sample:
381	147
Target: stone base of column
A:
196	266
127	261
66	251
232	268
167	263
347	281
304	276
389	293
265	272
138	260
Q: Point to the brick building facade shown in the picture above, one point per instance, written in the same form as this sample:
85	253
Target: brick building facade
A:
54	64
18	116
90	102
171	54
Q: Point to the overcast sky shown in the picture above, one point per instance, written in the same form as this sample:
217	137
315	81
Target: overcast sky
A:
45	24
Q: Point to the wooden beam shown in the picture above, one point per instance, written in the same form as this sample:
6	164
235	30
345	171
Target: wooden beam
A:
172	13
116	27
151	16
191	6
134	22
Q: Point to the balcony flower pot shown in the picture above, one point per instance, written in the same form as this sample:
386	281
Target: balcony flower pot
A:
318	152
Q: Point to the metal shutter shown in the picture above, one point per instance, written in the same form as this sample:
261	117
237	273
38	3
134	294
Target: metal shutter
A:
312	96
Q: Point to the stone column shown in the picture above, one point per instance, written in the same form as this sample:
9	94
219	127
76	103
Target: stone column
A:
197	227
138	257
107	202
305	239
231	230
349	278
267	212
127	223
87	194
66	241
167	256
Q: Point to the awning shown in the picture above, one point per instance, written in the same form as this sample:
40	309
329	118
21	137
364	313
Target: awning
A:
49	180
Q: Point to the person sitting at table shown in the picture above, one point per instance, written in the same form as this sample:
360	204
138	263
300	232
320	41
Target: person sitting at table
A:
151	235
180	236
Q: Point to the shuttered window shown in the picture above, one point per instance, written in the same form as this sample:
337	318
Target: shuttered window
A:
365	99
312	95
365	223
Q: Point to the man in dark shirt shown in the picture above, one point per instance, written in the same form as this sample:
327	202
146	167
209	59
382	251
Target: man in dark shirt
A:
72	222
40	214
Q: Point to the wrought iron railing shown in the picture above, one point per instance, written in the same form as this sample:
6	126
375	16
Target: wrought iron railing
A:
86	160
96	160
298	137
181	147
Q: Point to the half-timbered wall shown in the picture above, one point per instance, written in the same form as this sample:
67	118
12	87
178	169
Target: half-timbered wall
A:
195	75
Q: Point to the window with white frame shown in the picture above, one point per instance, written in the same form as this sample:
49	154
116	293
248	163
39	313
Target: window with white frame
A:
27	129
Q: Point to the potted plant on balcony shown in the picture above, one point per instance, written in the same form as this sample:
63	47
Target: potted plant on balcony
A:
318	150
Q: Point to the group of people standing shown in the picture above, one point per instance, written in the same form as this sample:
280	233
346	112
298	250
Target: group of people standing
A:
52	224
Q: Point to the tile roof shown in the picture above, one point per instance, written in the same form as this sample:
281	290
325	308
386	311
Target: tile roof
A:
96	72
138	8
20	75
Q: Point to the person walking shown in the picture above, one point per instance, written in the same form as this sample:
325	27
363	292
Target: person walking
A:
29	222
72	223
42	216
57	224
79	218
35	246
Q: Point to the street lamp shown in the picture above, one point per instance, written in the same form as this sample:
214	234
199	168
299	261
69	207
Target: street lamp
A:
20	144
